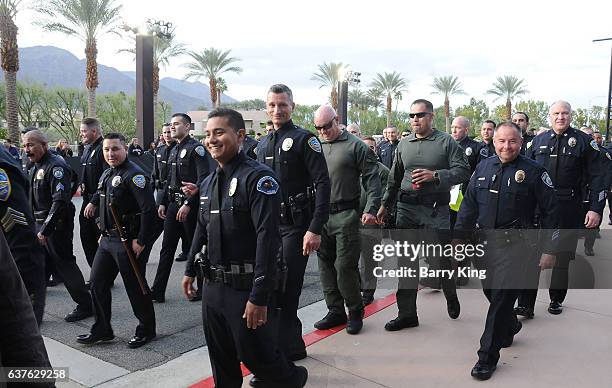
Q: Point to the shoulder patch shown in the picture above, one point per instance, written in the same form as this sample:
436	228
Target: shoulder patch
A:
59	187
594	145
200	150
484	152
5	186
546	179
139	180
315	144
267	185
58	172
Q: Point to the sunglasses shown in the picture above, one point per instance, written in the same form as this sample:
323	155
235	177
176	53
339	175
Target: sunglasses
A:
419	115
326	126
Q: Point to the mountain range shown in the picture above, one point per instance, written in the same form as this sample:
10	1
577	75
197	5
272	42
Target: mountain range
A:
52	66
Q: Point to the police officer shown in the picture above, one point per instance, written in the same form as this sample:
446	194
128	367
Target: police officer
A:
188	166
248	146
159	177
92	166
21	344
51	201
295	156
241	198
504	193
386	150
17	222
348	161
522	121
370	234
124	187
486	145
426	165
573	160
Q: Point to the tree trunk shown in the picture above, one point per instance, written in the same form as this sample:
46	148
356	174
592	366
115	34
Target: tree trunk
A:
508	109
218	98
389	107
213	92
334	98
12	107
447	114
91	75
155	118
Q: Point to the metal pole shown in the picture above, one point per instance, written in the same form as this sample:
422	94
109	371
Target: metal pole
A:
609	102
145	120
343	102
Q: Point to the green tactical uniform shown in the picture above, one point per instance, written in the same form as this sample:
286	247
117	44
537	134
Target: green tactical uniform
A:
426	208
348	161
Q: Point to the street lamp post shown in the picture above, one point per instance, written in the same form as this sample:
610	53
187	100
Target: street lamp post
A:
609	101
351	77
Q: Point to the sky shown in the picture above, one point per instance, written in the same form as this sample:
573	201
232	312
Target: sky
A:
546	43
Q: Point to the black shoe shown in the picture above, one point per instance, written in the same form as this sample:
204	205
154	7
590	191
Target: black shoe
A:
355	322
516	327
90	339
330	320
137	341
483	371
524	312
367	297
298	379
589	251
401	323
181	257
453	307
555	308
78	314
297	356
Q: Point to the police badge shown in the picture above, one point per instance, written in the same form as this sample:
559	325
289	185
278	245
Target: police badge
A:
183	153
571	142
287	144
232	187
468	151
519	176
116	181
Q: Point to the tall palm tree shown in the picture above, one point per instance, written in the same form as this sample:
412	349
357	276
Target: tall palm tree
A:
447	86
211	63
329	75
221	88
374	98
164	49
85	19
9	54
508	86
390	84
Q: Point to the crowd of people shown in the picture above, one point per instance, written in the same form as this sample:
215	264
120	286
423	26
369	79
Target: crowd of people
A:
288	195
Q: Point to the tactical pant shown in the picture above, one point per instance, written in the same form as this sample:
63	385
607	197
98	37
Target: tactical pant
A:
21	344
59	250
89	231
230	341
111	259
370	236
417	223
290	326
173	231
339	262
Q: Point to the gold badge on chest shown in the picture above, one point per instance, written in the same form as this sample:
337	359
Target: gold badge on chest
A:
519	176
40	174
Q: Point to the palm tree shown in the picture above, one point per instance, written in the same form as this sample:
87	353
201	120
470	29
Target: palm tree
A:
221	88
9	54
211	63
374	98
508	86
447	86
329	75
85	19
164	49
390	84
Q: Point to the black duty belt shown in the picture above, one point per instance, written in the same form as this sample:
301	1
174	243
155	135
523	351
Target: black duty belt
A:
115	233
338	207
239	277
429	200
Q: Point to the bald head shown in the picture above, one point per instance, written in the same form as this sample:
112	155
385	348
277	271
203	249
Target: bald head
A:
326	123
325	113
460	127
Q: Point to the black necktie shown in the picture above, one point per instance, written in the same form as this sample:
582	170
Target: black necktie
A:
491	216
214	227
555	152
270	151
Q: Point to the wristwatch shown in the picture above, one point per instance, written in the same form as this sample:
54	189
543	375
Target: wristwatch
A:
436	178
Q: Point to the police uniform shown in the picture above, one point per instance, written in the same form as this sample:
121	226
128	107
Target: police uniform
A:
126	187
17	222
425	210
591	234
572	160
527	139
486	150
370	236
92	166
21	344
470	148
188	162
51	200
506	196
248	146
386	151
295	156
241	199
